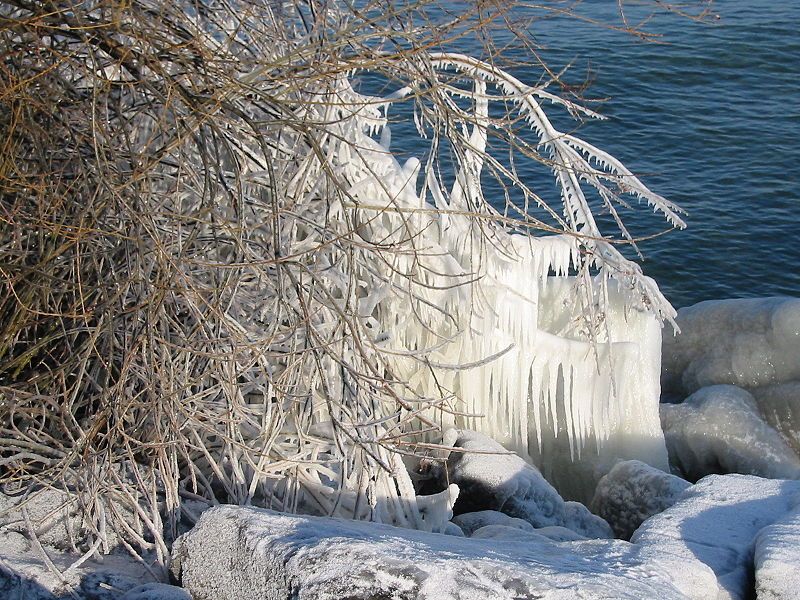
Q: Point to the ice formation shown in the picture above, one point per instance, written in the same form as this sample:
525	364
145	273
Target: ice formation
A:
472	521
718	430
562	370
491	478
779	405
748	343
632	492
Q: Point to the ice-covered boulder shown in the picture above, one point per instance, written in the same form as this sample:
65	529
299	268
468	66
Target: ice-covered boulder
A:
748	343
472	521
716	522
491	478
779	404
777	559
632	492
156	591
718	429
237	553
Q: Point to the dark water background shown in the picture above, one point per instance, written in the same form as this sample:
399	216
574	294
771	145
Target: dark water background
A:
709	118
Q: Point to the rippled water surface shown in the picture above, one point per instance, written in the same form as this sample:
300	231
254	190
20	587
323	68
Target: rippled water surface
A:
709	119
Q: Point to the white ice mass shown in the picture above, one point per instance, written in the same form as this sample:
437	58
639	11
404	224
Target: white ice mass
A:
749	343
718	429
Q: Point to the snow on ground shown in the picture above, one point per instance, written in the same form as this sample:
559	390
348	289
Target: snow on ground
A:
717	521
777	559
718	429
249	554
60	539
491	478
632	492
749	343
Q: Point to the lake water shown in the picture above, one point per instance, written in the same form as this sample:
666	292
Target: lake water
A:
710	118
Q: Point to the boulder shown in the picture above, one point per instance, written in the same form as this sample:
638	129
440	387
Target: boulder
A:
749	343
243	553
491	478
632	492
717	522
718	429
777	559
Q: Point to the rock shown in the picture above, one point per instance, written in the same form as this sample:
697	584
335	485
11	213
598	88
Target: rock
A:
716	522
156	591
632	492
748	343
777	559
491	478
718	430
472	521
779	405
237	553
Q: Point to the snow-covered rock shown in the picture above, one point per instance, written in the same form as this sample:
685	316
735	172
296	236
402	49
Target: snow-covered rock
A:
632	492
779	404
718	429
777	559
748	343
239	553
156	591
472	521
491	478
716	522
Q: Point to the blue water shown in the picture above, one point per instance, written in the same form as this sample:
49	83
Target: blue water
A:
710	118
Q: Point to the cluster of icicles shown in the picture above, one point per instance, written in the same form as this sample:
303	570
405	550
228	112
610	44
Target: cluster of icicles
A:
549	344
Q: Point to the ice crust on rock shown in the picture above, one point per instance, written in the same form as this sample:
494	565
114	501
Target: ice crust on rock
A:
254	554
717	521
472	521
748	343
632	492
718	429
156	591
779	404
489	477
777	559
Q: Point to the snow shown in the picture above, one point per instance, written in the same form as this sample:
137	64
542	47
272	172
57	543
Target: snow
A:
61	538
718	429
777	559
716	522
252	554
491	478
748	343
632	492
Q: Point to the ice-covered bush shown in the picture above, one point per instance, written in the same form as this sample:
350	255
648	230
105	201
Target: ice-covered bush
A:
222	284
